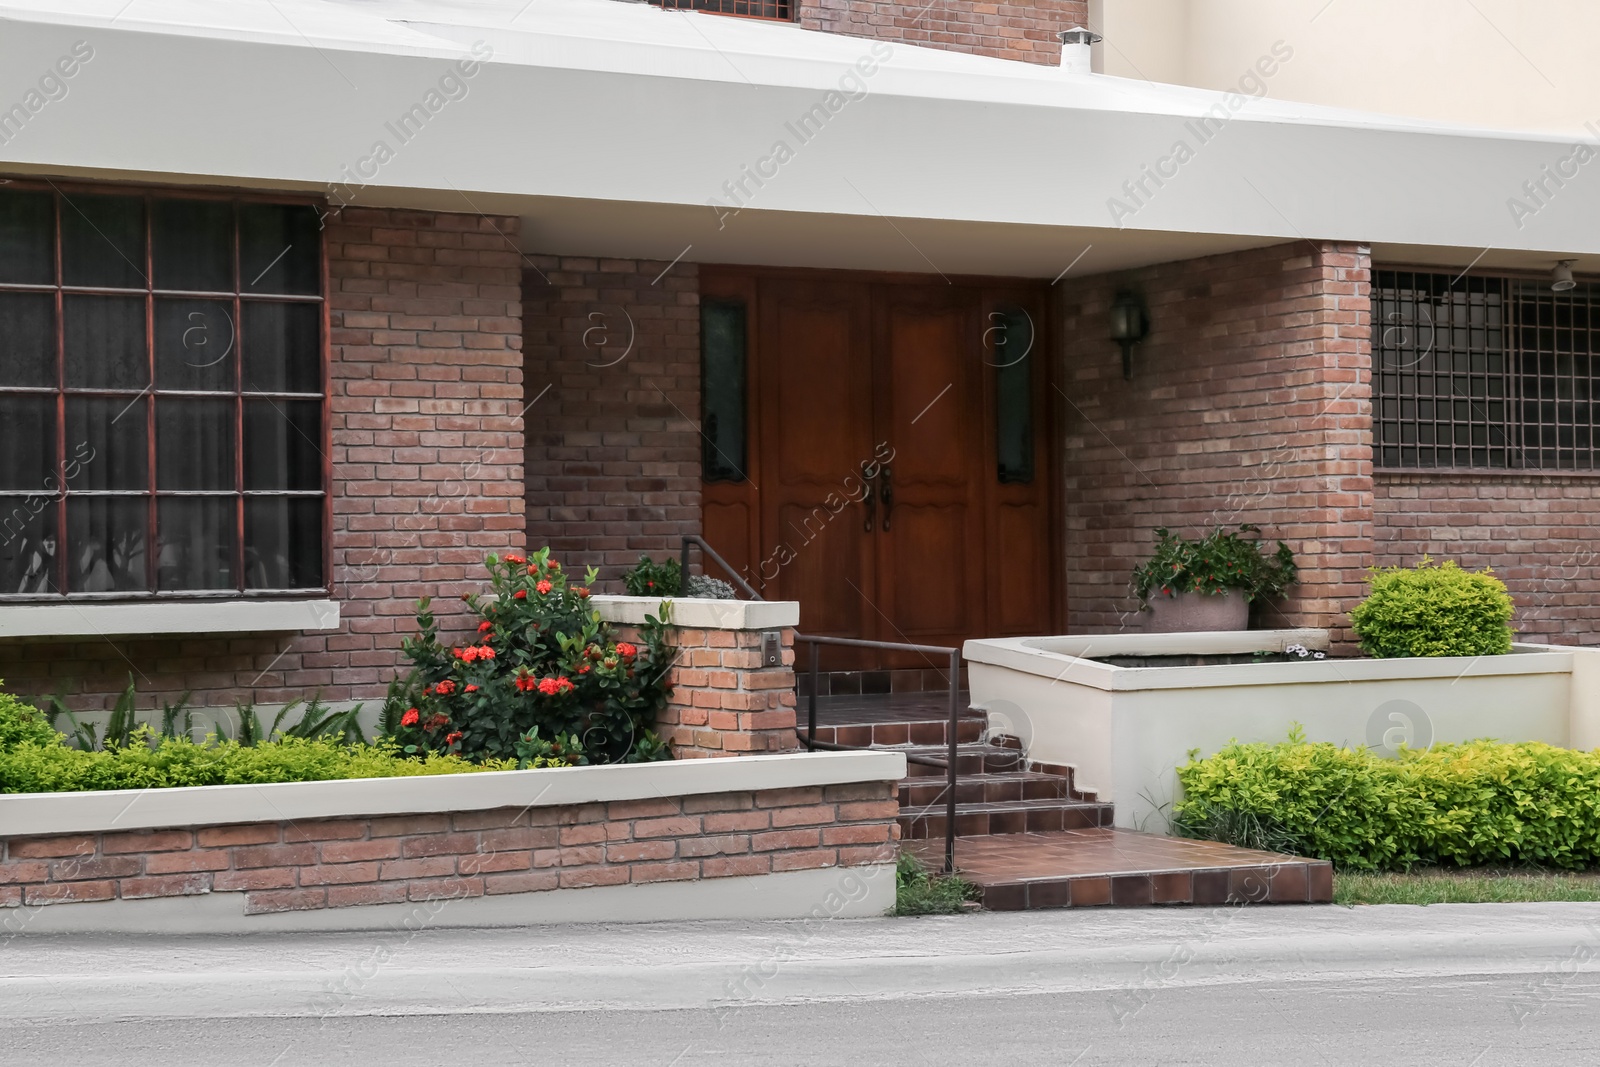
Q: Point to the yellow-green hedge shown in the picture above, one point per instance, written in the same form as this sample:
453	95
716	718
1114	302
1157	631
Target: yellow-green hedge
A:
1482	802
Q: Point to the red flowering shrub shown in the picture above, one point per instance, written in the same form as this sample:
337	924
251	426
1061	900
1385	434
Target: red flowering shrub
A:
543	678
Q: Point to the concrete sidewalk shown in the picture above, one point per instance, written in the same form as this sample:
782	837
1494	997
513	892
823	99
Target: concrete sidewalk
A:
1129	956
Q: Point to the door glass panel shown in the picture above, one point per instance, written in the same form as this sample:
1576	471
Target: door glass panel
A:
105	342
281	444
283	542
197	538
27	238
193	245
107	443
278	248
281	350
1011	338
107	535
195	345
194	444
722	377
28	443
27	339
102	241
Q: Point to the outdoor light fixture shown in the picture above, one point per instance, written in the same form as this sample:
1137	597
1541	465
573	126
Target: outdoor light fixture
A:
1561	277
1129	324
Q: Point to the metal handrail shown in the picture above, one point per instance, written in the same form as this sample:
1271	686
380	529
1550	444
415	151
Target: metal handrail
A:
952	730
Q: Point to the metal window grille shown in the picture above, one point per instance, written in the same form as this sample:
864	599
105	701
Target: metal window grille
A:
751	9
1484	372
168	459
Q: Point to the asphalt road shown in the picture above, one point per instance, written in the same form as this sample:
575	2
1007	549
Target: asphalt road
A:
1467	985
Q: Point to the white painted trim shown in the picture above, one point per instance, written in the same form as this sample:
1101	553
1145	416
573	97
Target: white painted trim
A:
698	613
88	619
29	814
1062	659
839	893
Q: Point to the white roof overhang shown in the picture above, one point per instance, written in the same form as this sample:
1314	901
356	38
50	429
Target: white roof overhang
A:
610	127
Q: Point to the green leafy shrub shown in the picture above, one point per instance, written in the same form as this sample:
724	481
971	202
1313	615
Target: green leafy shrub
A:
1217	562
34	758
919	891
649	578
1482	802
543	678
1434	611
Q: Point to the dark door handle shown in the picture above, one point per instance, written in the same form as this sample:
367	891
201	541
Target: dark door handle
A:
886	490
872	508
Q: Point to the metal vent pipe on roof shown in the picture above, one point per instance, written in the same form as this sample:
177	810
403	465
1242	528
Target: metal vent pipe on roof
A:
1075	49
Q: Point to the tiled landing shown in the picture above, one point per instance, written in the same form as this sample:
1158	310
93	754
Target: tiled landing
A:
1094	867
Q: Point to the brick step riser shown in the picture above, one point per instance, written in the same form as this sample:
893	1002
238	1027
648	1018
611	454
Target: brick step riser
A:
1019	821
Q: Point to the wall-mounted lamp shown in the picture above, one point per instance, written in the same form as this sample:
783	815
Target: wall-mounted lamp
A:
1130	322
1561	277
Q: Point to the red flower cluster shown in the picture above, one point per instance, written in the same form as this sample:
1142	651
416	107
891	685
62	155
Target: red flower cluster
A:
445	688
485	626
626	651
452	738
544	586
520	594
411	717
471	653
524	682
581	590
553	685
512	557
471	689
436	720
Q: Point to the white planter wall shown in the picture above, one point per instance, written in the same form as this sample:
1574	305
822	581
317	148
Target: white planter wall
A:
1127	729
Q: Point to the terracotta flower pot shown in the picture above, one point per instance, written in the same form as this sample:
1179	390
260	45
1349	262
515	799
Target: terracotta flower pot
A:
1191	612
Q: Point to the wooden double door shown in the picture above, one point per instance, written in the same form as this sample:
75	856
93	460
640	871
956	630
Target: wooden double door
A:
897	480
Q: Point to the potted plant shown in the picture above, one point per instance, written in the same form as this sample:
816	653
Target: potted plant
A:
1207	584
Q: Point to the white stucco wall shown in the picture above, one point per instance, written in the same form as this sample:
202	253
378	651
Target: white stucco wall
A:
1511	64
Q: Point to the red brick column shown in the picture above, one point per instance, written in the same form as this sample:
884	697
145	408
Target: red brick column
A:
725	701
1250	402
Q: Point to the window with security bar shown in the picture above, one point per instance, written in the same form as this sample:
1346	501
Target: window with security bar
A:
162	407
1484	372
752	9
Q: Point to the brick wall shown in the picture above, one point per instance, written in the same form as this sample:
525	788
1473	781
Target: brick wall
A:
1250	402
426	434
1541	535
613	444
334	863
723	702
1024	31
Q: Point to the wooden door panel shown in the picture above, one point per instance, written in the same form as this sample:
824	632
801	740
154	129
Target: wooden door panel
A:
1019	580
926	571
930	345
816	408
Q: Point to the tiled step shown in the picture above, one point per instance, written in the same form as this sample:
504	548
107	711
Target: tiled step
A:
1012	817
991	788
970	759
1089	868
886	734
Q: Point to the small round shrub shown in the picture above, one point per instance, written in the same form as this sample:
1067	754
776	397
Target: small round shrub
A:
1434	610
20	722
